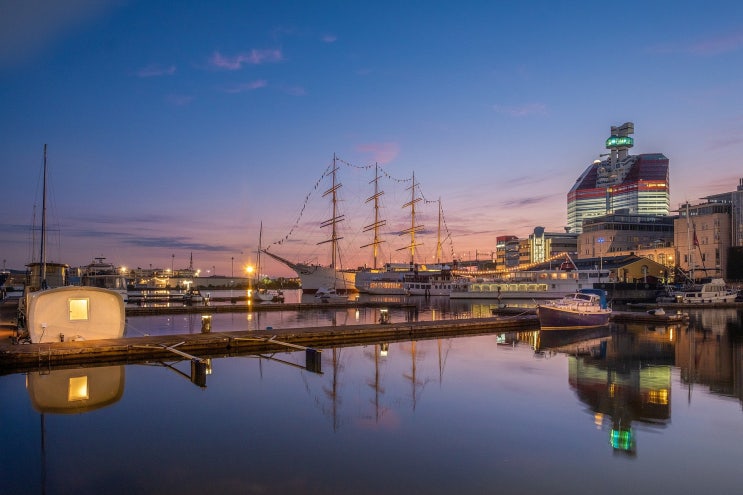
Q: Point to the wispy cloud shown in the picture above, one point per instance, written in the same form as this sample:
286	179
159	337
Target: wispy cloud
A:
527	201
156	70
254	57
714	45
249	86
179	100
381	152
329	38
521	110
295	90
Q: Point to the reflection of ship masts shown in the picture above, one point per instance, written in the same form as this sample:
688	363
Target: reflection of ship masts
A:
377	222
412	375
43	455
333	191
333	392
413	227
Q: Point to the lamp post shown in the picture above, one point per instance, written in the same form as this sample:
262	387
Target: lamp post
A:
249	269
600	240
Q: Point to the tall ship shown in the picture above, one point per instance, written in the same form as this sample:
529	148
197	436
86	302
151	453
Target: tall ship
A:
316	276
549	280
410	279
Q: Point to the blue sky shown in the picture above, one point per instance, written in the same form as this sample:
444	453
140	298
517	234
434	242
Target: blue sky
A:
177	128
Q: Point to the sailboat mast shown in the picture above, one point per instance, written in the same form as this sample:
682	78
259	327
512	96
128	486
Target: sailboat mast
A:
438	237
413	227
333	191
260	235
690	249
377	222
42	254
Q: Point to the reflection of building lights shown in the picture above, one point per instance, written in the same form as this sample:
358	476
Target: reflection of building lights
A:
598	420
621	439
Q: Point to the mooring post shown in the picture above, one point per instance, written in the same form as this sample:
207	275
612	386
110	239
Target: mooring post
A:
313	360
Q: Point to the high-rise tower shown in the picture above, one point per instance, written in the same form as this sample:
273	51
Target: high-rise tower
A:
621	183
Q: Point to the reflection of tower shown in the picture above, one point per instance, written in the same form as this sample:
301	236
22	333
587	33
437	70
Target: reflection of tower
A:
626	390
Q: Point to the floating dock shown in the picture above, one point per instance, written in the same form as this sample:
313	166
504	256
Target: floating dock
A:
15	358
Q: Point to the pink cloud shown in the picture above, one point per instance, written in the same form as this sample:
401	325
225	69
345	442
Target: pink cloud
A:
254	57
155	70
714	46
381	152
250	86
179	100
522	110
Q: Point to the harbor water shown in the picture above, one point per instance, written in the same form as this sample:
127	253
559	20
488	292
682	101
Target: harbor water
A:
630	408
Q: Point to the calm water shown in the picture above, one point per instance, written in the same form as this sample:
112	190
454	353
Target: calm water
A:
652	409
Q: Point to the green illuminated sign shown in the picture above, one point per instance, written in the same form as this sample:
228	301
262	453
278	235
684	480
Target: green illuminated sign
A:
620	141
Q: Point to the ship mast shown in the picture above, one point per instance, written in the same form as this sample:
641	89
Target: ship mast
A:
438	236
413	227
333	191
377	222
42	254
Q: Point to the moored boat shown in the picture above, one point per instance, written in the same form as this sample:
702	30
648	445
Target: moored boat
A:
583	309
714	291
49	313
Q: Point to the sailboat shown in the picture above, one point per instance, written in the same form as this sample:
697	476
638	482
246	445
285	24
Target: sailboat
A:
315	276
406	278
260	294
53	314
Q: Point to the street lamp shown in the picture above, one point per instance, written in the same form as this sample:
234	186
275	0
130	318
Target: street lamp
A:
600	240
250	269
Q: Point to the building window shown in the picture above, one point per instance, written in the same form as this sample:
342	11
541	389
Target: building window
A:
78	309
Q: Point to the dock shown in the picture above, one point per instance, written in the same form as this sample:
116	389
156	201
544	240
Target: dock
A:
19	357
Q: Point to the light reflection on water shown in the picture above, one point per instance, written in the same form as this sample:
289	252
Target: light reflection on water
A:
616	410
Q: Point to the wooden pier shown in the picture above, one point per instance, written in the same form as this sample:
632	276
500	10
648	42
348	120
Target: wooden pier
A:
15	358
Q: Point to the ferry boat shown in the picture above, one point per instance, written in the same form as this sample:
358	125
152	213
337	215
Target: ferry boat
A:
546	281
408	279
105	275
583	309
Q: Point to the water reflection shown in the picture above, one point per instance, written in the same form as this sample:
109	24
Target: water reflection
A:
75	391
449	415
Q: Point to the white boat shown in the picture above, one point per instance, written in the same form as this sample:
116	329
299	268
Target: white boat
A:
586	308
543	282
404	279
104	275
714	291
74	313
64	313
316	276
330	295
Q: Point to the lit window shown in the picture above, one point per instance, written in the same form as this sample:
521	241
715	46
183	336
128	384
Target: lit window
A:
78	309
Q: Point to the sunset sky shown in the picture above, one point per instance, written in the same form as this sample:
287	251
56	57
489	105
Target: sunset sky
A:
176	128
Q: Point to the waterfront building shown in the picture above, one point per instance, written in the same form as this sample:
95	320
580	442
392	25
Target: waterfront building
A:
540	246
636	184
648	236
702	236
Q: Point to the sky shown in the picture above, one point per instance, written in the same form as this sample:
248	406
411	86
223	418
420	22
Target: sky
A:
175	130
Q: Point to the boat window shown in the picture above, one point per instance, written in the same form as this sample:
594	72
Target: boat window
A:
78	309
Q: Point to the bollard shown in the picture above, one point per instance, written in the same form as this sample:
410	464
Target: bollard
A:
206	323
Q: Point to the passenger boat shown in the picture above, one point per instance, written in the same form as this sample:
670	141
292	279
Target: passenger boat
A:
713	291
547	280
53	314
410	280
105	275
583	309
